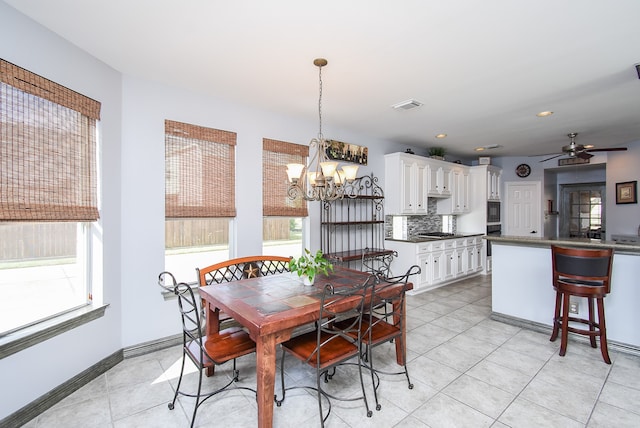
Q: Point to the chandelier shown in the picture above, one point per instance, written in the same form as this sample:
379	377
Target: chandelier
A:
321	179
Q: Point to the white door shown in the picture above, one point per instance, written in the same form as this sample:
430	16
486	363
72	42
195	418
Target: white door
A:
524	216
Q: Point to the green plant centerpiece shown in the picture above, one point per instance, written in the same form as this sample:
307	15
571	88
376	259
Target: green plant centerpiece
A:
437	152
308	265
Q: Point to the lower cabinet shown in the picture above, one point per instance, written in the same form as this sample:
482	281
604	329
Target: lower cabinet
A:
441	261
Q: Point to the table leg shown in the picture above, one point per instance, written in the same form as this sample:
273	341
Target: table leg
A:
212	326
266	375
400	344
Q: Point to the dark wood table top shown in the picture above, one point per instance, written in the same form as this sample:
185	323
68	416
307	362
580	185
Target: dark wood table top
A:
268	304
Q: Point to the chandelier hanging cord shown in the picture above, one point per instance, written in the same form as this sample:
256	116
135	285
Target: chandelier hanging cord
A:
320	62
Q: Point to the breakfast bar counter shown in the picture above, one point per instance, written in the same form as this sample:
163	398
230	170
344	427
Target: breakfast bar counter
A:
522	292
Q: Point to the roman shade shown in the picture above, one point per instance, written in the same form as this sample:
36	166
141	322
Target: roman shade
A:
199	171
275	157
48	149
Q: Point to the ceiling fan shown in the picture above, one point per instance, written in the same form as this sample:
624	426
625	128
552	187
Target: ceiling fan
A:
578	150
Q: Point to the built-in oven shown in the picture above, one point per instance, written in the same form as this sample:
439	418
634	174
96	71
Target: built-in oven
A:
493	212
492	229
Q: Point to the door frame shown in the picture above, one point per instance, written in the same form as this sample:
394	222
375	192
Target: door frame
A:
564	208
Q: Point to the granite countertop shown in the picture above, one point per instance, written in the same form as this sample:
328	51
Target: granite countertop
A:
623	248
419	239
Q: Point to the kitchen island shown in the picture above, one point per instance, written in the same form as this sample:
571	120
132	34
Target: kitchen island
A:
522	292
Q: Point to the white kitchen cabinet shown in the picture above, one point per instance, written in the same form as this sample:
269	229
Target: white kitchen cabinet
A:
437	267
442	261
459	202
411	179
493	183
470	255
425	261
439	179
405	178
478	257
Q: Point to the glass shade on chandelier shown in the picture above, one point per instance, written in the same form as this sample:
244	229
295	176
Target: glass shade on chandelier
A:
321	179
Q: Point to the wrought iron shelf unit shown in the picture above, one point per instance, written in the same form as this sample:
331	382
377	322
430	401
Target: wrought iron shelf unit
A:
349	226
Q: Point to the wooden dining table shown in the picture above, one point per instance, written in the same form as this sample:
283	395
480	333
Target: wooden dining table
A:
270	308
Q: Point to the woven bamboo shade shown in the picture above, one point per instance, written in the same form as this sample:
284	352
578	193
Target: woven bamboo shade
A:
47	150
199	171
275	157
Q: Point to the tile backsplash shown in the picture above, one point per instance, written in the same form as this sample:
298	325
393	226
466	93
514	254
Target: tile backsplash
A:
430	222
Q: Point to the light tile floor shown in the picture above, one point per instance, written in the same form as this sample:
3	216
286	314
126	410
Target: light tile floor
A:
468	371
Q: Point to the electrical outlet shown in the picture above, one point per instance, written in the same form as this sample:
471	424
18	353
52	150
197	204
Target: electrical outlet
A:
573	307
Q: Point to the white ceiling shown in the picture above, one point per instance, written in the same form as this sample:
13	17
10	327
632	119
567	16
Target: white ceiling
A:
483	69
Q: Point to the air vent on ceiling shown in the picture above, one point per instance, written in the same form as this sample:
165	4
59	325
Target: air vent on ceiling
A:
407	105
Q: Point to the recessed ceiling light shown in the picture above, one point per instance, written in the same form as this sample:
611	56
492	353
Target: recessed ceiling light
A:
589	146
406	105
441	136
544	113
479	149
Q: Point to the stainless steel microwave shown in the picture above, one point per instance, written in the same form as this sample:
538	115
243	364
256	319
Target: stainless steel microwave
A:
493	212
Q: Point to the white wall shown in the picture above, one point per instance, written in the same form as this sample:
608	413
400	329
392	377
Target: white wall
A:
622	219
36	370
132	215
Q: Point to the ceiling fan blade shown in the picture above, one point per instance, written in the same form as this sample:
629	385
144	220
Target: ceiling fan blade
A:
552	157
584	155
611	149
541	154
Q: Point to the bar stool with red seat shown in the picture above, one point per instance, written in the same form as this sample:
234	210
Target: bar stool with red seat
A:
583	273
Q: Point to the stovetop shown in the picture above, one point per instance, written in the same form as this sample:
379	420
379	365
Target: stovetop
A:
435	234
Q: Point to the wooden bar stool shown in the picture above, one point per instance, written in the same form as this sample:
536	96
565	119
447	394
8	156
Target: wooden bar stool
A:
582	273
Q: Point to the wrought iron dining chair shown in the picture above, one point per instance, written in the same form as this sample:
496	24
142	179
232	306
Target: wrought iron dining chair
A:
204	352
384	322
241	268
332	344
378	264
235	270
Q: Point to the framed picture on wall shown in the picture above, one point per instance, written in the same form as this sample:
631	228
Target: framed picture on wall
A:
627	192
337	150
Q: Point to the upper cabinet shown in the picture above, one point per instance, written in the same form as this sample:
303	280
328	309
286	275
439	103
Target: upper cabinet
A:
439	179
411	179
405	180
493	183
462	190
458	203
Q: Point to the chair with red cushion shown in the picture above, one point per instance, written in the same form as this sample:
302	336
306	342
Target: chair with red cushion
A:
332	344
384	322
204	352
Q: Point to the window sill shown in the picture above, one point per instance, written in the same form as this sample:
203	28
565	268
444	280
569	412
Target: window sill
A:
169	295
33	335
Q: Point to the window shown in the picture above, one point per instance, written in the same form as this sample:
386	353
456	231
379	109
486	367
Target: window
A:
199	196
48	197
284	219
582	214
